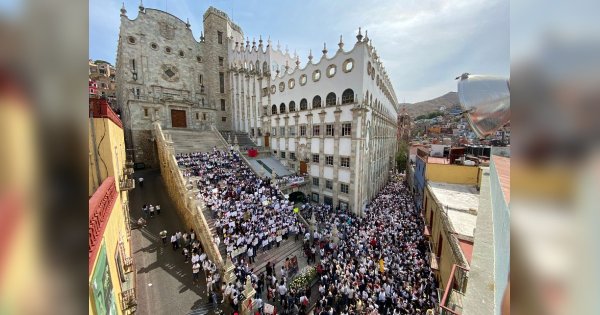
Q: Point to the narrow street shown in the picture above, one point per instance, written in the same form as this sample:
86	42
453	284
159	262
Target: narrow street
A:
164	281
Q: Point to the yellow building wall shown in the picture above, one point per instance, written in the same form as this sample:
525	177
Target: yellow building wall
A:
447	258
110	144
116	230
453	174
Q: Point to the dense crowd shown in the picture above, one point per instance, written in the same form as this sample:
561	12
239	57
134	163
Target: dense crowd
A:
379	264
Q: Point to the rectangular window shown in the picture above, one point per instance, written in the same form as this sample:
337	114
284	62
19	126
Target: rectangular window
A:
329	160
315	158
346	129
282	131
292	156
328	184
274	131
219	37
345	162
203	116
315	197
200	79
223	119
302	131
316	131
222	82
222	105
329	130
344	188
197	116
282	154
316	181
133	64
221	61
292	131
145	112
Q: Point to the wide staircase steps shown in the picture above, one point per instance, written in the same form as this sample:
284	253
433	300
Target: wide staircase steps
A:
189	140
276	255
243	138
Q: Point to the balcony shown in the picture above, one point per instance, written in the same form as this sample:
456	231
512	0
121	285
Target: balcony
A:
127	184
452	301
128	171
129	301
100	207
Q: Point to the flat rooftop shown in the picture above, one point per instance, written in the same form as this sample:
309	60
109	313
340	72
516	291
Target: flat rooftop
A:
461	203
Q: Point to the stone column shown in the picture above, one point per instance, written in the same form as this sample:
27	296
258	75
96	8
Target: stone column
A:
321	150
286	138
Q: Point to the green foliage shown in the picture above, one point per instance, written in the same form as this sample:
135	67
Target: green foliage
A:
430	115
402	156
99	61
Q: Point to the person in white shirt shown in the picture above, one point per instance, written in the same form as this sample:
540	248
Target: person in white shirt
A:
158	209
141	181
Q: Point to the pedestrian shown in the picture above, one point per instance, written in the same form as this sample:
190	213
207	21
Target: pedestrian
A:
250	254
158	209
151	211
178	239
163	237
196	272
145	210
141	181
209	285
174	241
185	254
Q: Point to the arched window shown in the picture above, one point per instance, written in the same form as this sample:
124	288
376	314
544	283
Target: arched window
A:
265	68
274	109
330	100
282	108
257	68
348	96
303	104
292	106
316	102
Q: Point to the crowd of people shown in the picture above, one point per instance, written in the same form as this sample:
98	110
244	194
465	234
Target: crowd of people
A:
377	264
289	179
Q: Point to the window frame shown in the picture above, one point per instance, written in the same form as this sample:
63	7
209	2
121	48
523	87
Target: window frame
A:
316	157
345	159
329	160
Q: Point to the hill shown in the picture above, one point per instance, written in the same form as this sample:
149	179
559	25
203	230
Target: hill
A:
449	100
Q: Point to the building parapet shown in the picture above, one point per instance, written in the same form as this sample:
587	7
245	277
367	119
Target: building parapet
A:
99	108
100	207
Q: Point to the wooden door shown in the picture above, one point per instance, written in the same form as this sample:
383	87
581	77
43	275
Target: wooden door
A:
303	168
178	119
267	140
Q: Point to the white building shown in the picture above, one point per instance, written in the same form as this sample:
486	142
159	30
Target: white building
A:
334	118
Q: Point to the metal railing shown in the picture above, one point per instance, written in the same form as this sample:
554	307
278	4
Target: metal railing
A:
456	287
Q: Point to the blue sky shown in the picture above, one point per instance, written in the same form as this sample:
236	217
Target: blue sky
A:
424	44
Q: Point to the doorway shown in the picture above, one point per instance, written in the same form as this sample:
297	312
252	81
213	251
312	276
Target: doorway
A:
178	118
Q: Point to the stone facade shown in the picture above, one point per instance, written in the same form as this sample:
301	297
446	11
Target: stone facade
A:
347	96
164	73
253	87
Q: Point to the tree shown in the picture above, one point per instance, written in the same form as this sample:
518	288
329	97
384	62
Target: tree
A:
402	157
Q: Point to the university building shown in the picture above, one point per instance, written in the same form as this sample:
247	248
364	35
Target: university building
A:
333	118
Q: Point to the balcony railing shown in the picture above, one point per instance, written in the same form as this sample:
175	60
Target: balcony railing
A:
456	287
128	171
127	184
100	207
129	300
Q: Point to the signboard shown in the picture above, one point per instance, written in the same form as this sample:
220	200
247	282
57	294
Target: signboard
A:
104	296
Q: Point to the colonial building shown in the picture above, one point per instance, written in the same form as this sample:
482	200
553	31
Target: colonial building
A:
333	118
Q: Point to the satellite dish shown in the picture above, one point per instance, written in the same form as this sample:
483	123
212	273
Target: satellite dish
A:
486	101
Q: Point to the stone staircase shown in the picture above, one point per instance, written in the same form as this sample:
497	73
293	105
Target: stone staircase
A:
243	138
189	140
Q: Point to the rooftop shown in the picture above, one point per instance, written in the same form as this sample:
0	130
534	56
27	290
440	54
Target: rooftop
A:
437	160
460	202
